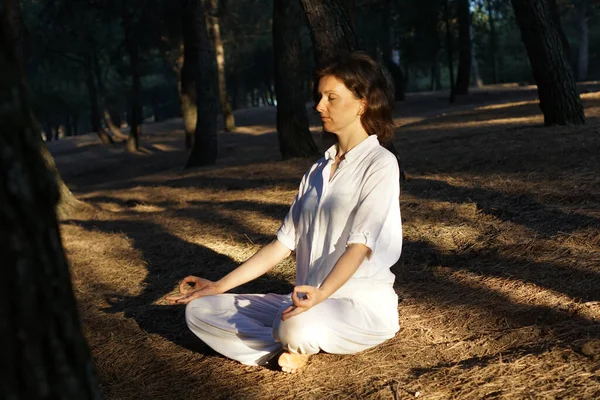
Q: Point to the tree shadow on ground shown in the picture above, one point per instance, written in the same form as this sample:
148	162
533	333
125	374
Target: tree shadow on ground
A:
416	278
521	209
168	260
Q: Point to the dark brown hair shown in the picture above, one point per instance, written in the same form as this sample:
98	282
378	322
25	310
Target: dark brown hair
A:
365	78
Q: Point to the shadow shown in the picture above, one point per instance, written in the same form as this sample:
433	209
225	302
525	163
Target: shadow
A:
168	260
522	209
416	278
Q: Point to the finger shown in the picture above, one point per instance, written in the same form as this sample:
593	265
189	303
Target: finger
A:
292	313
189	297
287	310
184	286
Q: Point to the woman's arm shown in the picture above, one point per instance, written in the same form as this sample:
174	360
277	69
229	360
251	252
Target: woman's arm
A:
261	262
342	271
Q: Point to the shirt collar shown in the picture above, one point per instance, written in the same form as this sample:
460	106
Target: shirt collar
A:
356	152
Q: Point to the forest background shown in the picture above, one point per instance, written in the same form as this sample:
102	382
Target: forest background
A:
114	104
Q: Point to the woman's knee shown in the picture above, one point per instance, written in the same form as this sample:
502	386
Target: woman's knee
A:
298	334
195	310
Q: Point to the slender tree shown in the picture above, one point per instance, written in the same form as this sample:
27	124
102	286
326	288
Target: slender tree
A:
135	117
204	150
44	354
582	40
559	100
449	51
187	76
395	70
491	9
215	30
292	120
463	75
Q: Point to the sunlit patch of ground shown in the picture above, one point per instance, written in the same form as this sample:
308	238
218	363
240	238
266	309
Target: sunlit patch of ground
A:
498	281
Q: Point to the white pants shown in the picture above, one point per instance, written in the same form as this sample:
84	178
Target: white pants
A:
248	327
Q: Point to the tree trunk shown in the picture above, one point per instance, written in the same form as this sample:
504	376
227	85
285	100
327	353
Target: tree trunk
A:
215	30
188	71
558	95
204	151
583	40
44	353
133	140
330	29
114	129
292	120
555	13
475	76
449	49
94	109
395	70
463	75
493	41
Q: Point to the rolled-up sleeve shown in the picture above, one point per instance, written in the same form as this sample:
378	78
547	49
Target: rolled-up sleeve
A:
287	231
378	201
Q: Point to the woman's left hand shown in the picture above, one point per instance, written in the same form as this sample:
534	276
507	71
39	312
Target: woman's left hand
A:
303	299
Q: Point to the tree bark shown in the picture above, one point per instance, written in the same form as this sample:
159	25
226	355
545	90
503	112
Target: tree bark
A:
493	41
292	119
330	28
583	40
93	94
44	354
114	129
449	50
215	30
204	151
559	100
463	75
133	140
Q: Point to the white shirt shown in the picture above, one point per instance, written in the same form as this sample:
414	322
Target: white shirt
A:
360	204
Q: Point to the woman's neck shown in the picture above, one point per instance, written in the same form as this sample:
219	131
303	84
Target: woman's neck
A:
347	142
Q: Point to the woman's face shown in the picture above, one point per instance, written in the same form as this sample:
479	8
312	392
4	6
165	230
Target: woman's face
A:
340	110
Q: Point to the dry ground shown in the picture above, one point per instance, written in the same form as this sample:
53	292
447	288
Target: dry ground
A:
499	281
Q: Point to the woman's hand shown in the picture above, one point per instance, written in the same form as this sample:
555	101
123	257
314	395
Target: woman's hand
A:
303	299
199	287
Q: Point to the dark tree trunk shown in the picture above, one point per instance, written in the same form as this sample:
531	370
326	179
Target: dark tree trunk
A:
215	30
395	70
133	140
188	71
493	41
292	120
583	40
204	151
44	353
114	129
558	95
330	28
449	50
463	75
90	82
555	12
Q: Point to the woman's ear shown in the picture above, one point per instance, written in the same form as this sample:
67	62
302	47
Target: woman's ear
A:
363	107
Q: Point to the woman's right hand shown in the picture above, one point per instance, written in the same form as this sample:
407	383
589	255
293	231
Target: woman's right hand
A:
193	287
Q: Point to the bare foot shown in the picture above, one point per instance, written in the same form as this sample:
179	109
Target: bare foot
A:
292	363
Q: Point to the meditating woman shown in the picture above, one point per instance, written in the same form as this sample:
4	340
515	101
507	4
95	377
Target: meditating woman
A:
344	226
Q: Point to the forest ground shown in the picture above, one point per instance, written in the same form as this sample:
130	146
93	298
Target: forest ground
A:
498	281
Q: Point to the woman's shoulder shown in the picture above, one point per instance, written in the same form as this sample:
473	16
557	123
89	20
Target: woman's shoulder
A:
380	157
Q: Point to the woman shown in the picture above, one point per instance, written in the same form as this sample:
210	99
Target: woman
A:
345	228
